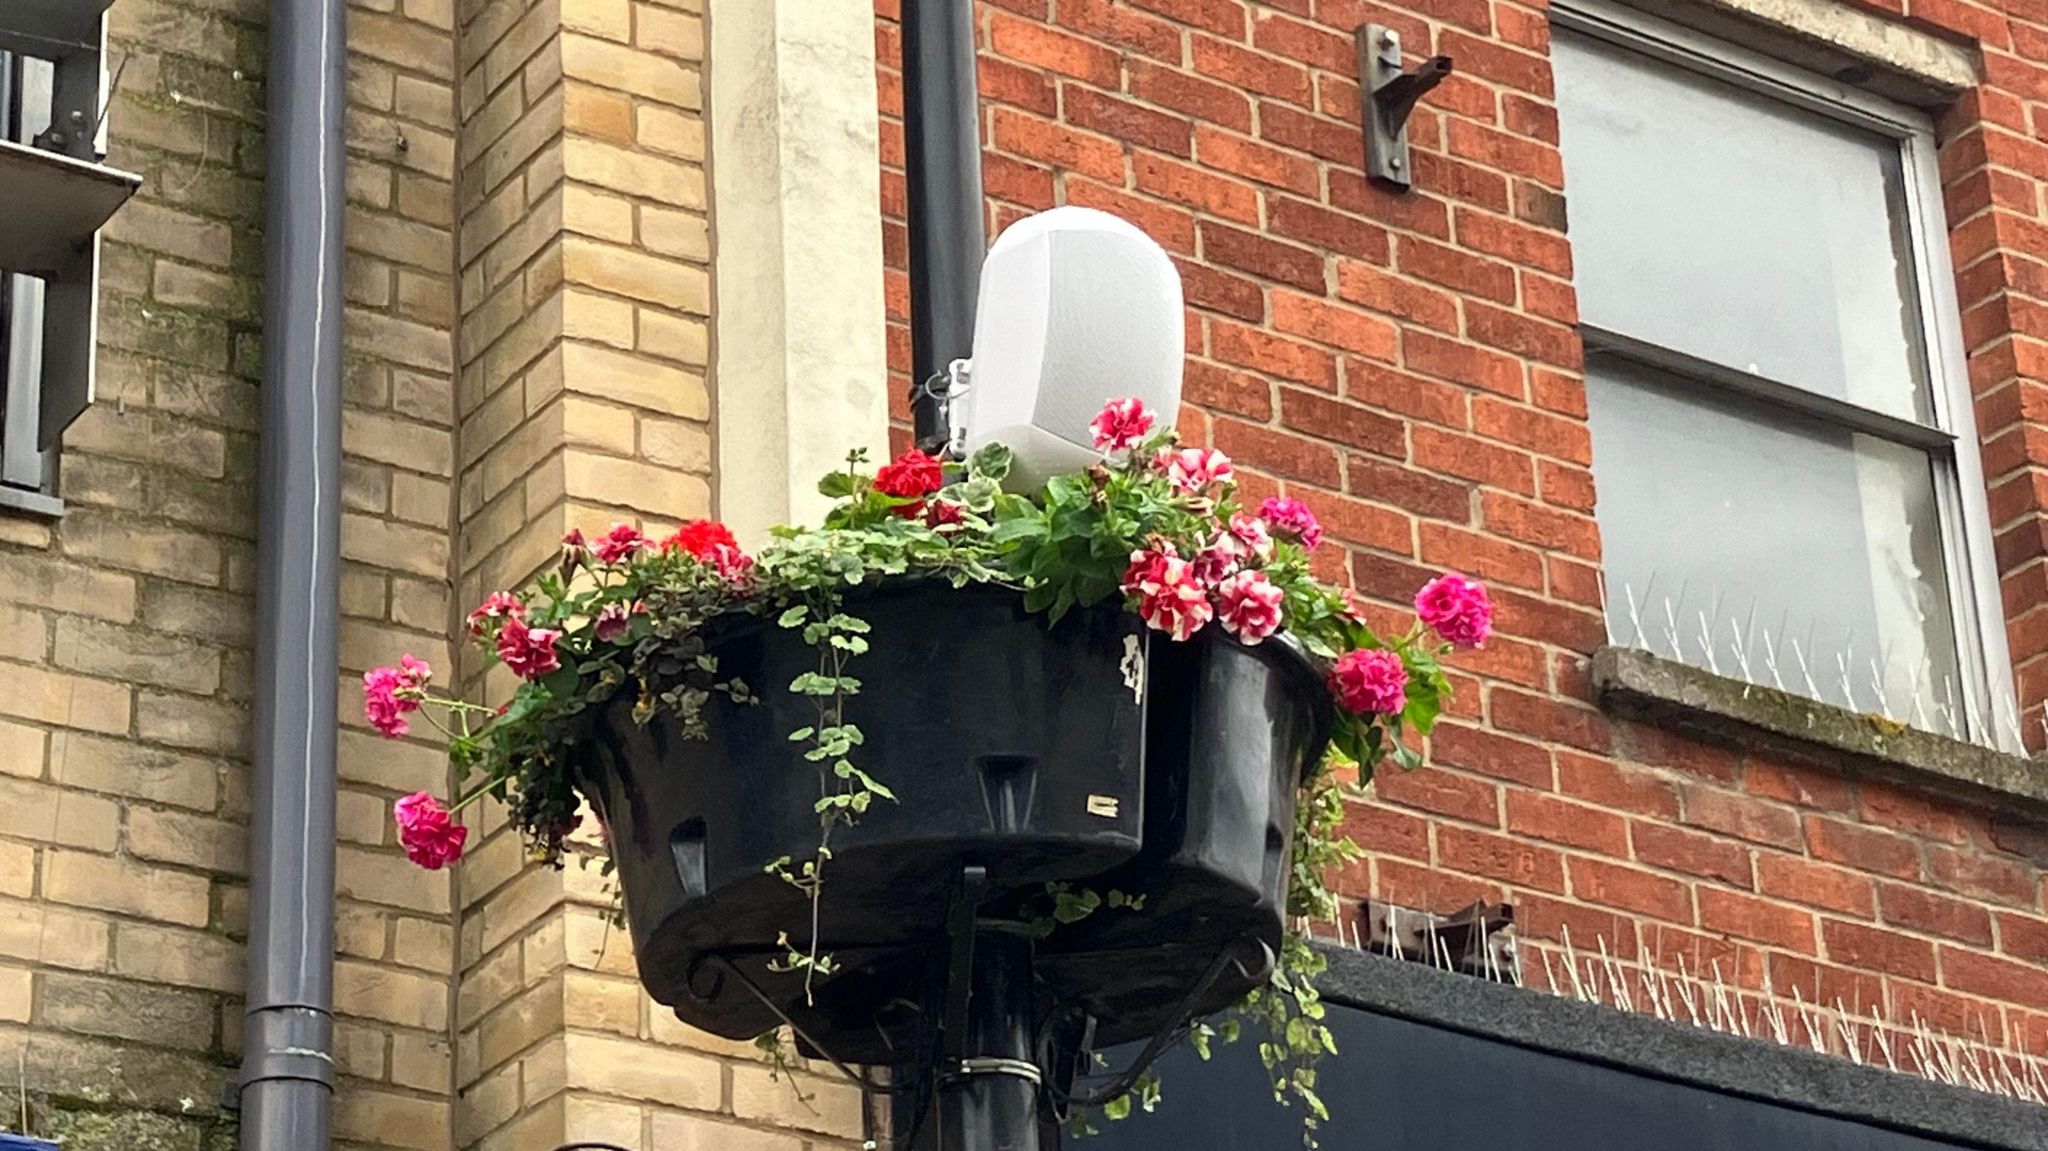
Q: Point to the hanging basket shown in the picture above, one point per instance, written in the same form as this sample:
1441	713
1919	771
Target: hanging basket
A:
1091	752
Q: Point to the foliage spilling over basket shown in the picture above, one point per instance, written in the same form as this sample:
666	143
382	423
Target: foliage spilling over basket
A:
1155	523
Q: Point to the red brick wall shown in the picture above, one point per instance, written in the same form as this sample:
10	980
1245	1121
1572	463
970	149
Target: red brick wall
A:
1408	364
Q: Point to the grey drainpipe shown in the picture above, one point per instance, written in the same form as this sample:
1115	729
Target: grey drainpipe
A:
287	1083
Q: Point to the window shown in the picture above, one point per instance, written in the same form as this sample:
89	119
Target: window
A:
1787	471
24	465
56	194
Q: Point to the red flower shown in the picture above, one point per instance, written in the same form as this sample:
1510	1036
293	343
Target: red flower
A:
528	651
1248	606
620	543
1457	608
939	514
575	548
910	475
613	621
1194	470
698	537
1370	681
1122	425
430	837
497	606
390	692
1169	597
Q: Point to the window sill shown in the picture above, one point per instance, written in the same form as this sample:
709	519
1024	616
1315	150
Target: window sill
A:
1639	685
28	504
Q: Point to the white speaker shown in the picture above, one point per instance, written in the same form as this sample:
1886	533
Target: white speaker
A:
1077	308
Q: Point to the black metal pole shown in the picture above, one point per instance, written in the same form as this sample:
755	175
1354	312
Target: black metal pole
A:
988	1100
287	1082
942	134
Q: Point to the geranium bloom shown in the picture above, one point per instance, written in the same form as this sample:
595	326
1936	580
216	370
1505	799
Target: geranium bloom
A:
620	543
430	837
1122	425
496	606
613	621
1291	519
939	514
575	548
1193	470
390	692
1248	606
1251	531
1457	608
1169	597
698	537
909	475
528	651
1370	681
732	565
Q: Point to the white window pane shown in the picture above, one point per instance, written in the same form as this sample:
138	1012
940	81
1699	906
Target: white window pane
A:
1738	228
1722	518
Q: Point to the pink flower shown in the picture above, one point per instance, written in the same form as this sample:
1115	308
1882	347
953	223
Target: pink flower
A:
1354	605
575	549
390	692
613	621
431	839
732	565
620	543
1213	564
528	651
1122	425
1370	681
1193	470
1169	597
497	606
1251	531
1291	519
1248	606
911	474
1457	608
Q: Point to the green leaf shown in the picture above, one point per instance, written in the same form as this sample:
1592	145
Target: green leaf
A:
793	616
992	460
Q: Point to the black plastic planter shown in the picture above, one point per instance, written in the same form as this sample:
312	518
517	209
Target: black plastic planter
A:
1232	730
1013	747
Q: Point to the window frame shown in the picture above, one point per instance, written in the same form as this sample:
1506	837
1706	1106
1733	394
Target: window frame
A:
1988	707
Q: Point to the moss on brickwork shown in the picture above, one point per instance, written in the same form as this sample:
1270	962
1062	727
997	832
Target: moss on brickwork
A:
79	1128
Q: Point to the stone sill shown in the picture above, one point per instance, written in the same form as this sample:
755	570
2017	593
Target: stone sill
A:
1647	1045
33	505
1639	685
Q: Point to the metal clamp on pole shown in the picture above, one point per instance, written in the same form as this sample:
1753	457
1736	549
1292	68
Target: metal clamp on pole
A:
1391	95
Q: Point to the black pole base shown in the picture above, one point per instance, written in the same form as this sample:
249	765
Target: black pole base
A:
988	1096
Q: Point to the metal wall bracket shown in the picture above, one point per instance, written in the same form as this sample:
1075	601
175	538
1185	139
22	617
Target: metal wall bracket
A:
1390	95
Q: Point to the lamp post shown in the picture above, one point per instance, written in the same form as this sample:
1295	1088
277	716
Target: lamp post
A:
942	135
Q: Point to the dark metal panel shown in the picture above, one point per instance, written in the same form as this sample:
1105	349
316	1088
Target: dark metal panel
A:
1403	1086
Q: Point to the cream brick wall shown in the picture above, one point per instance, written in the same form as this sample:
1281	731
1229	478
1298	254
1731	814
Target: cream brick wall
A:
124	731
528	289
585	290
